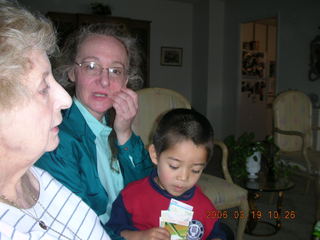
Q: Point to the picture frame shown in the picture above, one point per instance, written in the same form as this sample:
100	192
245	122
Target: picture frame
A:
171	56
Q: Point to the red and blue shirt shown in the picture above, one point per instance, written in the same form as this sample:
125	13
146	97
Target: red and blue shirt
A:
139	205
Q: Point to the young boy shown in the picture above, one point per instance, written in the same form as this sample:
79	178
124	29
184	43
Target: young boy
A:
182	146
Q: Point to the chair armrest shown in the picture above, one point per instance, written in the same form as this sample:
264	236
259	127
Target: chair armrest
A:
224	162
293	133
286	132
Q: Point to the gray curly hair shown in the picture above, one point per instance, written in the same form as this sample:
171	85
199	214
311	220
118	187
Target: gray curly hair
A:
20	32
65	62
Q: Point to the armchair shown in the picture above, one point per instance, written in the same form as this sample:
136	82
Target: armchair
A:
222	192
293	132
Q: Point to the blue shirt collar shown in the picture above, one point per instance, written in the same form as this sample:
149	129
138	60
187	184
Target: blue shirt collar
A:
185	196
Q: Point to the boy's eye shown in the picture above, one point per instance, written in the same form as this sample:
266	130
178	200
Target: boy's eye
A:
196	171
173	167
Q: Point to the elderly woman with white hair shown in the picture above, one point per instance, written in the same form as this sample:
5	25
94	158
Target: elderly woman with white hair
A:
33	205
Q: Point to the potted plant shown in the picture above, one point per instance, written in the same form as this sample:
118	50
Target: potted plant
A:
275	167
240	150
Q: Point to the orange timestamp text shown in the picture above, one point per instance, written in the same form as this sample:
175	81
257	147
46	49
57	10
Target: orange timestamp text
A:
225	214
256	214
274	214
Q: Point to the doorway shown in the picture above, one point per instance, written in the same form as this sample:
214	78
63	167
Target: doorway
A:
258	45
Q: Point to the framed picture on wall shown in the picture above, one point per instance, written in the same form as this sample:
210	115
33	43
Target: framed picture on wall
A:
253	64
171	56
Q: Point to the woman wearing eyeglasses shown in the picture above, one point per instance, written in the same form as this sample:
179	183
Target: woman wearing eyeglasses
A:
98	152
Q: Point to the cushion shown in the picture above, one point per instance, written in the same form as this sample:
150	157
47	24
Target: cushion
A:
222	193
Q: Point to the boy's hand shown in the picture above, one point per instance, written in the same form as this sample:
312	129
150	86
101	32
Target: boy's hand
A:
150	234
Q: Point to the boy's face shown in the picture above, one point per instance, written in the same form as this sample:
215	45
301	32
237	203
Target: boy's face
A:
179	167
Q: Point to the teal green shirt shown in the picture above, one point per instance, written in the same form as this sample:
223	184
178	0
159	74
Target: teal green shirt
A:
111	179
75	161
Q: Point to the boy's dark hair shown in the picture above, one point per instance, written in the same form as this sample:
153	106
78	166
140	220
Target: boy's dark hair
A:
182	124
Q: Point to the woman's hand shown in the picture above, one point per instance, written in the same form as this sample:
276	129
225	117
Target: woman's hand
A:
150	234
125	102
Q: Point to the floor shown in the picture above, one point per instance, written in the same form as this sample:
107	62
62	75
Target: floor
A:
298	206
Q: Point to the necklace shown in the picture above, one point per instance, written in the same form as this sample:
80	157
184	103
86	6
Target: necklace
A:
41	223
55	219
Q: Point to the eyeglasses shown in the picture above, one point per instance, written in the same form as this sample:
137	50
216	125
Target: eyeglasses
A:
95	69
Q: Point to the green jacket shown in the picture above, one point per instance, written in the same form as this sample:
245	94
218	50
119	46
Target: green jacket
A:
74	161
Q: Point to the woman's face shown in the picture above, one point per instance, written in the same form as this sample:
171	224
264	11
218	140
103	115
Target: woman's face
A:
95	92
31	128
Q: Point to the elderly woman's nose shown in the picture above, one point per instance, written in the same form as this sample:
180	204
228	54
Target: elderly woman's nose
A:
63	98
